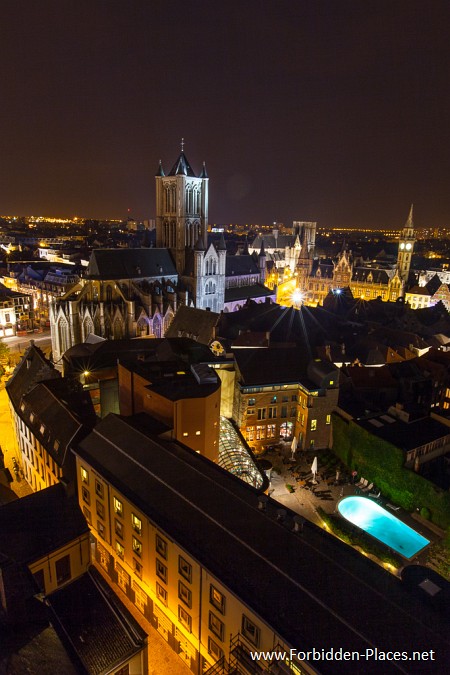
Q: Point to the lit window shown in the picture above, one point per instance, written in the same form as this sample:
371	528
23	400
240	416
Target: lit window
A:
313	425
197	433
184	594
185	433
42	429
136	523
161	570
185	569
84	476
328	419
120	549
184	618
101	529
250	630
161	547
216	626
137	546
250	431
118	507
161	593
217	599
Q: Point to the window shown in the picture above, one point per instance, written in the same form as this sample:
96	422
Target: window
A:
84	476
184	594
136	523
62	567
272	412
185	568
120	549
39	579
87	514
294	397
137	566
273	399
217	599
85	494
161	570
184	618
293	411
137	546
260	432
101	529
123	578
250	433
100	509
313	425
118	507
118	528
251	402
328	420
271	430
216	626
214	649
125	670
250	630
161	547
98	489
140	597
284	411
161	593
42	429
261	413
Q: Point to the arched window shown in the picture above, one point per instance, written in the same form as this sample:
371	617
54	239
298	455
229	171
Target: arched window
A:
118	329
63	337
157	326
108	294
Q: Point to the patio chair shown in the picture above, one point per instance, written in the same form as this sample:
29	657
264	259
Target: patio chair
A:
364	484
375	496
368	488
360	482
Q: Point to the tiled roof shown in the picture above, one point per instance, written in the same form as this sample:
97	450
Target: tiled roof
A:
33	368
91	619
240	265
190	322
245	292
130	263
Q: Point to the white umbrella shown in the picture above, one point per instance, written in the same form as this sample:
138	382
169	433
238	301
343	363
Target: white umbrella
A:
314	469
293	448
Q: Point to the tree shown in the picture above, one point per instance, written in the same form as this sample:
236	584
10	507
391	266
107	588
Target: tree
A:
4	356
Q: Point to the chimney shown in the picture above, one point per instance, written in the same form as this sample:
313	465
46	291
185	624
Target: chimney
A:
262	502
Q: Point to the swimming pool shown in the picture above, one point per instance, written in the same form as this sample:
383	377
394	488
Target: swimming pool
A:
385	527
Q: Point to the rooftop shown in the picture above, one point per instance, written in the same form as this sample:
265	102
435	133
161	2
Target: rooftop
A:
309	587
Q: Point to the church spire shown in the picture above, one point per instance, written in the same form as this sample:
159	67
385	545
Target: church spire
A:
160	171
410	222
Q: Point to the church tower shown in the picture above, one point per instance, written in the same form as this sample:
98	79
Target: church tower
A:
406	247
181	209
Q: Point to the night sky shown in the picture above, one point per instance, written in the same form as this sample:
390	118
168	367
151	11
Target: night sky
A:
327	110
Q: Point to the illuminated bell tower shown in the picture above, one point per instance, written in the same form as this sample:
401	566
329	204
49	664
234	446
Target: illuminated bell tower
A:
181	209
406	247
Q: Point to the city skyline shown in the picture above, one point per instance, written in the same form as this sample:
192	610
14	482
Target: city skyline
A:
327	112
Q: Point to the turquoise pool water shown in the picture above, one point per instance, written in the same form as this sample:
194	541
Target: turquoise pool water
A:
382	525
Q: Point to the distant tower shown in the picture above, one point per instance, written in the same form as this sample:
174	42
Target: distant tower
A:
406	247
306	230
262	260
181	209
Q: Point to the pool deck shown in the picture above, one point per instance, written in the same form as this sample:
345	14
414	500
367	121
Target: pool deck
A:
307	497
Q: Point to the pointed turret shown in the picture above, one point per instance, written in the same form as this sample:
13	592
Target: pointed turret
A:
160	171
410	222
245	249
406	247
203	173
221	246
182	167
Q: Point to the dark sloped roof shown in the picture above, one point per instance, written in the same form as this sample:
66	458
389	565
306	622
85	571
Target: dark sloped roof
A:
267	366
240	265
407	436
33	368
190	322
282	241
182	167
100	629
245	292
215	517
33	526
130	263
378	276
55	422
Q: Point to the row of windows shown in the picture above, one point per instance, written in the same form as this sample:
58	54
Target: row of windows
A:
272	412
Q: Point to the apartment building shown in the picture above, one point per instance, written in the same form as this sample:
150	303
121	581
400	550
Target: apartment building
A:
282	394
221	571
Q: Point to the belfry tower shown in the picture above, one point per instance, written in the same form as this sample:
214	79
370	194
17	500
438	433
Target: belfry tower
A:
406	247
181	209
